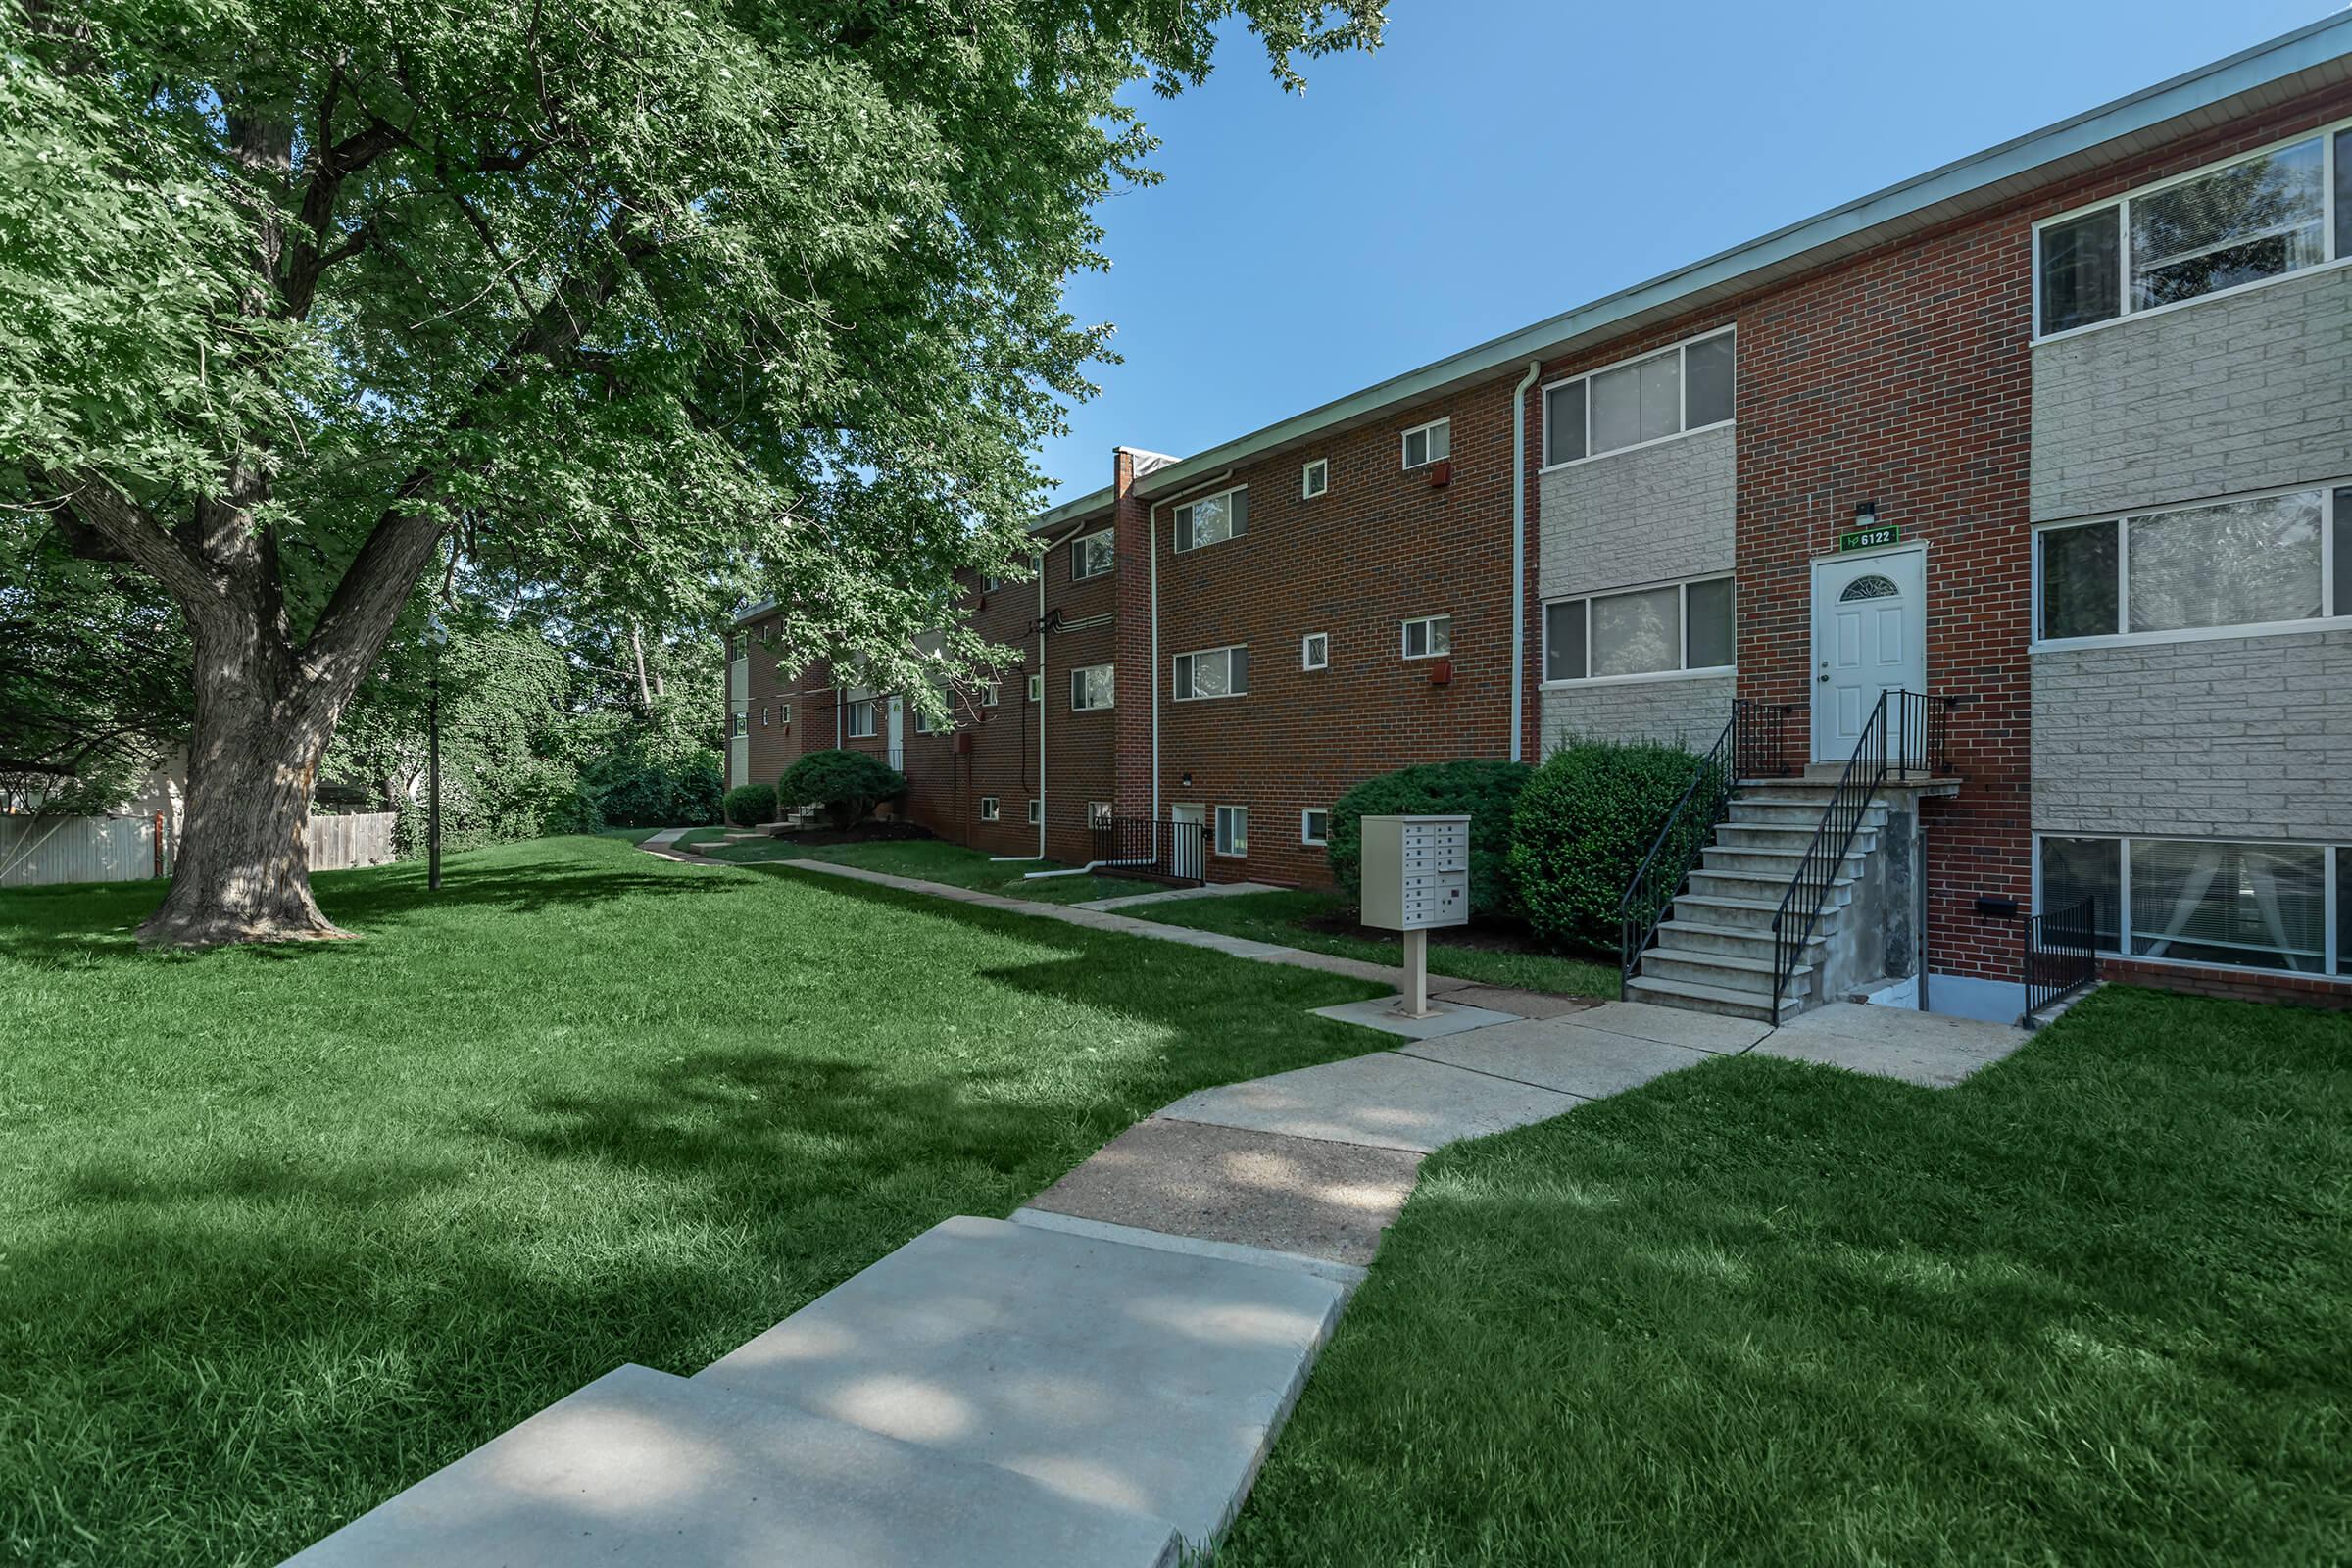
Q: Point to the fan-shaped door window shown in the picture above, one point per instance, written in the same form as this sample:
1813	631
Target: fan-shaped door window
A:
1873	586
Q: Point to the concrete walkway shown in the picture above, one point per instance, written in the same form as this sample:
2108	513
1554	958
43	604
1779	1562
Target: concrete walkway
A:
1095	1381
1206	890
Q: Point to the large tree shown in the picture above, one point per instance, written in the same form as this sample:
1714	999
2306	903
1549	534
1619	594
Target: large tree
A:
653	304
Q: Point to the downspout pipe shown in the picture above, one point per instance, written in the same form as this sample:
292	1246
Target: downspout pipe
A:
1535	368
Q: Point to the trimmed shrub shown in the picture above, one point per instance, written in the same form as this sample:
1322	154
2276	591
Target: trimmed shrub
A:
750	804
1485	789
849	785
1580	832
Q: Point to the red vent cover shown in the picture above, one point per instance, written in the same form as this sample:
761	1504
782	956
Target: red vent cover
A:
1441	473
1441	672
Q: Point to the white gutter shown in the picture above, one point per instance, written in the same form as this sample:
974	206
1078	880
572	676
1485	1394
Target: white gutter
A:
1535	368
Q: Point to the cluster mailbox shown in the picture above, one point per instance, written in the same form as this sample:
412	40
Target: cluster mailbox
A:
1416	875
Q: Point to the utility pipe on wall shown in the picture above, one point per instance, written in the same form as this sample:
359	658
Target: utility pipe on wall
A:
1535	368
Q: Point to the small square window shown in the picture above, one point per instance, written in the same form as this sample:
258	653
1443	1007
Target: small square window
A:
1090	687
1315	825
987	694
862	719
1036	688
1232	830
988	807
1092	555
1428	443
1314	479
1098	814
1314	651
1036	812
1429	637
743	723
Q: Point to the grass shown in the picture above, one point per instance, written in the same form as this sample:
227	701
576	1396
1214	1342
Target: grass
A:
930	860
2091	1307
1281	917
283	1230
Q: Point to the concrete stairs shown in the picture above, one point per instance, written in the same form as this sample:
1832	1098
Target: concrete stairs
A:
1714	952
990	1394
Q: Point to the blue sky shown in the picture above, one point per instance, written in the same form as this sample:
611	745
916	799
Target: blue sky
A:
1499	161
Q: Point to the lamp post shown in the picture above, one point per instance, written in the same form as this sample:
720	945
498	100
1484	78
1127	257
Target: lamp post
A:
436	638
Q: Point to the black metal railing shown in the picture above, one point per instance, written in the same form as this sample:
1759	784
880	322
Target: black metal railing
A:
1919	738
2061	954
1177	850
1753	744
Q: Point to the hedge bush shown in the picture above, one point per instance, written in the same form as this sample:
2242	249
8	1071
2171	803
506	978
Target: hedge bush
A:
1581	830
1485	789
847	784
750	804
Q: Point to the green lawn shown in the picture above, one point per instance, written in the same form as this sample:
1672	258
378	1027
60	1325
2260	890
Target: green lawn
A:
285	1229
930	860
1280	917
2092	1306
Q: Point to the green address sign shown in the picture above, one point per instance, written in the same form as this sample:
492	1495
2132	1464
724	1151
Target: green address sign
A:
1871	538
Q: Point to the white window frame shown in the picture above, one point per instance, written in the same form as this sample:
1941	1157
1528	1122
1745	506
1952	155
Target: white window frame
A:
2331	860
1078	555
1427	430
989	695
1036	812
1081	670
740	648
1306	651
849	727
740	724
765	713
1306	833
1314	479
2332	617
1176	530
1404	634
1099	814
1683	348
1176	674
990	809
1037	687
1219	838
1688	671
2123	223
784	716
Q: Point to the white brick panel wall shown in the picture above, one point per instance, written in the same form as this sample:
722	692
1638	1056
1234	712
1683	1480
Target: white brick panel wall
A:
1657	514
1690	711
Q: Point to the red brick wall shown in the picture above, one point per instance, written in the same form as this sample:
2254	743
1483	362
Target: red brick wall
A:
2240	985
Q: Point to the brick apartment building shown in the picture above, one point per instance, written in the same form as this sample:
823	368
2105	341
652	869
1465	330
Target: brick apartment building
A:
2097	381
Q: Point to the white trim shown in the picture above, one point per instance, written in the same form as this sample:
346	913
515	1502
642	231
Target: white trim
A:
1309	637
2191	634
1228	650
1709	672
2121	204
990	809
1684	585
1216	833
1681	347
1036	812
2336	264
1421	620
1425	428
1078	554
1306	837
2331	914
1176	529
1077	671
1306	470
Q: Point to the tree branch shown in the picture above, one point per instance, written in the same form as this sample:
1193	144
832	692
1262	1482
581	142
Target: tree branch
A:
88	505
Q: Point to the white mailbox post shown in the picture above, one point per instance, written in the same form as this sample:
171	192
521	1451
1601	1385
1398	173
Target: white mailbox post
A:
1417	874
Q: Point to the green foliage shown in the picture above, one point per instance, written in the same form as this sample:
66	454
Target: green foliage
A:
1583	826
1482	788
750	804
637	785
847	784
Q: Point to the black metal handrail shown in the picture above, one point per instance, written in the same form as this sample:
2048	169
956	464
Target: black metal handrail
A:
1908	732
2061	954
1177	850
1753	744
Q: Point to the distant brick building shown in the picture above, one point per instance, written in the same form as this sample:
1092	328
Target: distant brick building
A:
2062	432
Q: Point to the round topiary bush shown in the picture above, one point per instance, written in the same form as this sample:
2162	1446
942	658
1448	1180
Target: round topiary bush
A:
750	804
1581	830
849	785
1484	789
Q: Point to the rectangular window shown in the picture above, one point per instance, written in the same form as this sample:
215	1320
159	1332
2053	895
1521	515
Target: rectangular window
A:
1232	830
1090	687
1314	651
741	648
784	714
2262	560
1090	557
1315	825
2261	216
1428	443
862	719
2199	901
1212	519
988	807
1642	631
1314	479
1036	812
987	693
1098	814
1212	673
1036	688
1687	387
990	584
1429	637
741	723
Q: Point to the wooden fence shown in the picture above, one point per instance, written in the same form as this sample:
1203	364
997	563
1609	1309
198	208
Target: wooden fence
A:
37	851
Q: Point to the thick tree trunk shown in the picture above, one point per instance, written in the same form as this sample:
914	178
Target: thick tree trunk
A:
244	870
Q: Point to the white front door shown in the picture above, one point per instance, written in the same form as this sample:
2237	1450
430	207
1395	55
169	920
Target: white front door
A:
898	733
1869	636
